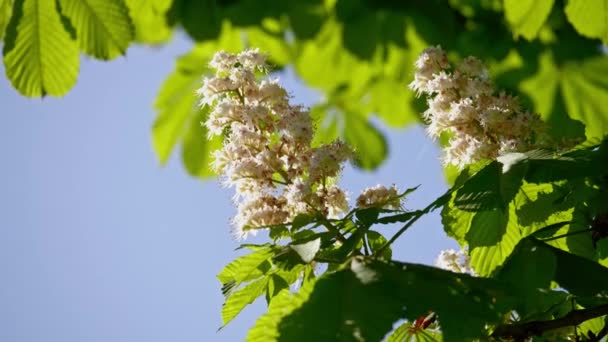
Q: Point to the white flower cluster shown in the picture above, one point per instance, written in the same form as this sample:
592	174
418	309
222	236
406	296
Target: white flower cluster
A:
455	261
462	101
267	154
379	196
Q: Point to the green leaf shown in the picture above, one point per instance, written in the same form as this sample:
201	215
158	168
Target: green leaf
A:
6	9
270	38
589	18
571	90
571	272
247	267
486	258
40	56
266	327
103	27
526	17
370	145
361	304
200	18
150	20
490	188
308	250
487	228
196	147
240	298
377	241
179	115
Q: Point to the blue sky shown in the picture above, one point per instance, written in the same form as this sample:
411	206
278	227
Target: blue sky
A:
99	243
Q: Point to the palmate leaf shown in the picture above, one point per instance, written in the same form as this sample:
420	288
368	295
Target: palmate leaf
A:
179	115
40	55
526	17
589	18
103	27
361	304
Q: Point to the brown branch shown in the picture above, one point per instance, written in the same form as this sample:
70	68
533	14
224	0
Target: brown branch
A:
521	331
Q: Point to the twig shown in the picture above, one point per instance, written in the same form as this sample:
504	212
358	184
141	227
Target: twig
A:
520	331
415	218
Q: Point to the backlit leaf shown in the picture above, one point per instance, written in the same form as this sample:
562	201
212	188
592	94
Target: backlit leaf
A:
40	55
103	27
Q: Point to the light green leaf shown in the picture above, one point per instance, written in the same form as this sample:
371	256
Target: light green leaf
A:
150	20
486	258
575	89
103	27
179	115
196	147
242	297
270	38
391	101
40	56
6	9
247	267
527	16
370	145
589	17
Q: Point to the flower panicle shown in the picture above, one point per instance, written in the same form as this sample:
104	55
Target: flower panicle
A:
267	154
463	103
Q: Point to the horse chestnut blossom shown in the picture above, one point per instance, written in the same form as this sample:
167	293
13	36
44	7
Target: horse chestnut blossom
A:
455	261
267	154
463	103
379	196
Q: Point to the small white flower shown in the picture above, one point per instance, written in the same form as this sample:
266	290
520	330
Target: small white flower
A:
455	261
379	196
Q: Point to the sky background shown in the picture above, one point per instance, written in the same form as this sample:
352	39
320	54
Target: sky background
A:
100	243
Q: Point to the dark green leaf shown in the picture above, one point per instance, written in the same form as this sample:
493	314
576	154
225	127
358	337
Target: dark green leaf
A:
580	276
361	304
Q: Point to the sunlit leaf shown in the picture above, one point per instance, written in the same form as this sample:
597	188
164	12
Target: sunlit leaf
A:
180	116
103	27
40	55
589	17
247	267
242	297
527	16
6	9
150	20
575	89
